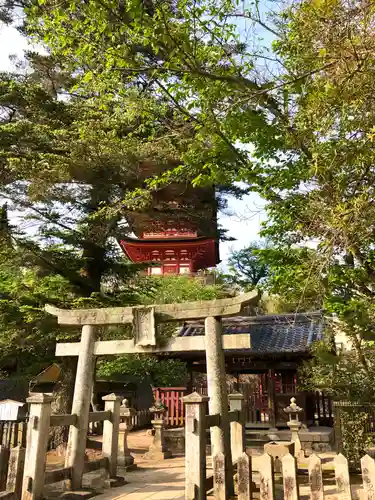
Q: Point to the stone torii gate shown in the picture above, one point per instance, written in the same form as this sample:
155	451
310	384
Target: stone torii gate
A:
145	320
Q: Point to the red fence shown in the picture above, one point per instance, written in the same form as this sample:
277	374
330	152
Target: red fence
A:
171	399
317	406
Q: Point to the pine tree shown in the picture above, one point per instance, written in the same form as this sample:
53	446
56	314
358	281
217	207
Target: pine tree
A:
66	167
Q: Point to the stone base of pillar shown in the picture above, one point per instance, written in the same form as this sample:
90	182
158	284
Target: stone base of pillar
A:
113	482
128	468
158	455
78	494
126	462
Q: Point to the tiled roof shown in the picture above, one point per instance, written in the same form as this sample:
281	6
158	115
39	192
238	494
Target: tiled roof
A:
282	333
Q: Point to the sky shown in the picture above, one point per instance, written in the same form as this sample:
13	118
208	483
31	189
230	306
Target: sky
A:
242	218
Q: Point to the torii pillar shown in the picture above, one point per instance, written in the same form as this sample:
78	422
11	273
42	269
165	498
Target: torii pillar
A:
81	406
217	391
144	320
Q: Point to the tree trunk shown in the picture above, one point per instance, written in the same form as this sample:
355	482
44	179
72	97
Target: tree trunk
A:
96	234
93	253
62	401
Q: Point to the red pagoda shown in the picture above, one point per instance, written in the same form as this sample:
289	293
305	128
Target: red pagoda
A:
178	235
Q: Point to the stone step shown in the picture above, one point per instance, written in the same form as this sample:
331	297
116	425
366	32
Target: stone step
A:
257	426
257	435
256	438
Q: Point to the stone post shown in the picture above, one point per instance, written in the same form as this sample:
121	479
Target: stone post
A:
290	481
342	477
368	477
316	478
237	428
110	437
219	477
158	449
217	392
15	470
337	426
295	427
195	446
36	447
75	453
125	458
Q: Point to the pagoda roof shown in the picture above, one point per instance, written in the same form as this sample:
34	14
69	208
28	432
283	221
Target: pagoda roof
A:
203	222
177	205
166	241
270	334
207	254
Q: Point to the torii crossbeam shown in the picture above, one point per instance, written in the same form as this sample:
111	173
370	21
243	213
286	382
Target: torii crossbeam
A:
144	320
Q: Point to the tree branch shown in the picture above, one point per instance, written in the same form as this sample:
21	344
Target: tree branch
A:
257	20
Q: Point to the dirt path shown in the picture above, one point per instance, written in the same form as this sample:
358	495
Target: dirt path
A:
163	480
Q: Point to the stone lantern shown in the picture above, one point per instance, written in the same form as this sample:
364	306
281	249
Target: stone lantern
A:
159	410
125	458
294	424
158	449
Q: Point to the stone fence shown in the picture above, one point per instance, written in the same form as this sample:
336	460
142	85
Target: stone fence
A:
278	467
11	471
35	476
291	479
197	422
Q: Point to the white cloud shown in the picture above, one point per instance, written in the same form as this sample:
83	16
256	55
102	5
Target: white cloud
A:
11	43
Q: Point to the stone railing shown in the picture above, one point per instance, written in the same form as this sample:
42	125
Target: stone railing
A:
197	422
263	484
40	421
11	470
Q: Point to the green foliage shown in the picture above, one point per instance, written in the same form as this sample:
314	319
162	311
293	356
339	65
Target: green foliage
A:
185	52
289	277
300	134
189	56
161	373
347	376
295	277
177	289
66	164
355	441
247	269
28	334
70	158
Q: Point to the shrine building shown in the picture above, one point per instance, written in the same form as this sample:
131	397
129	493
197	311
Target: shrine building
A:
267	373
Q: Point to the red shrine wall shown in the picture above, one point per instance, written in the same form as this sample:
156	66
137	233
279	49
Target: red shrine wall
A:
174	257
171	268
